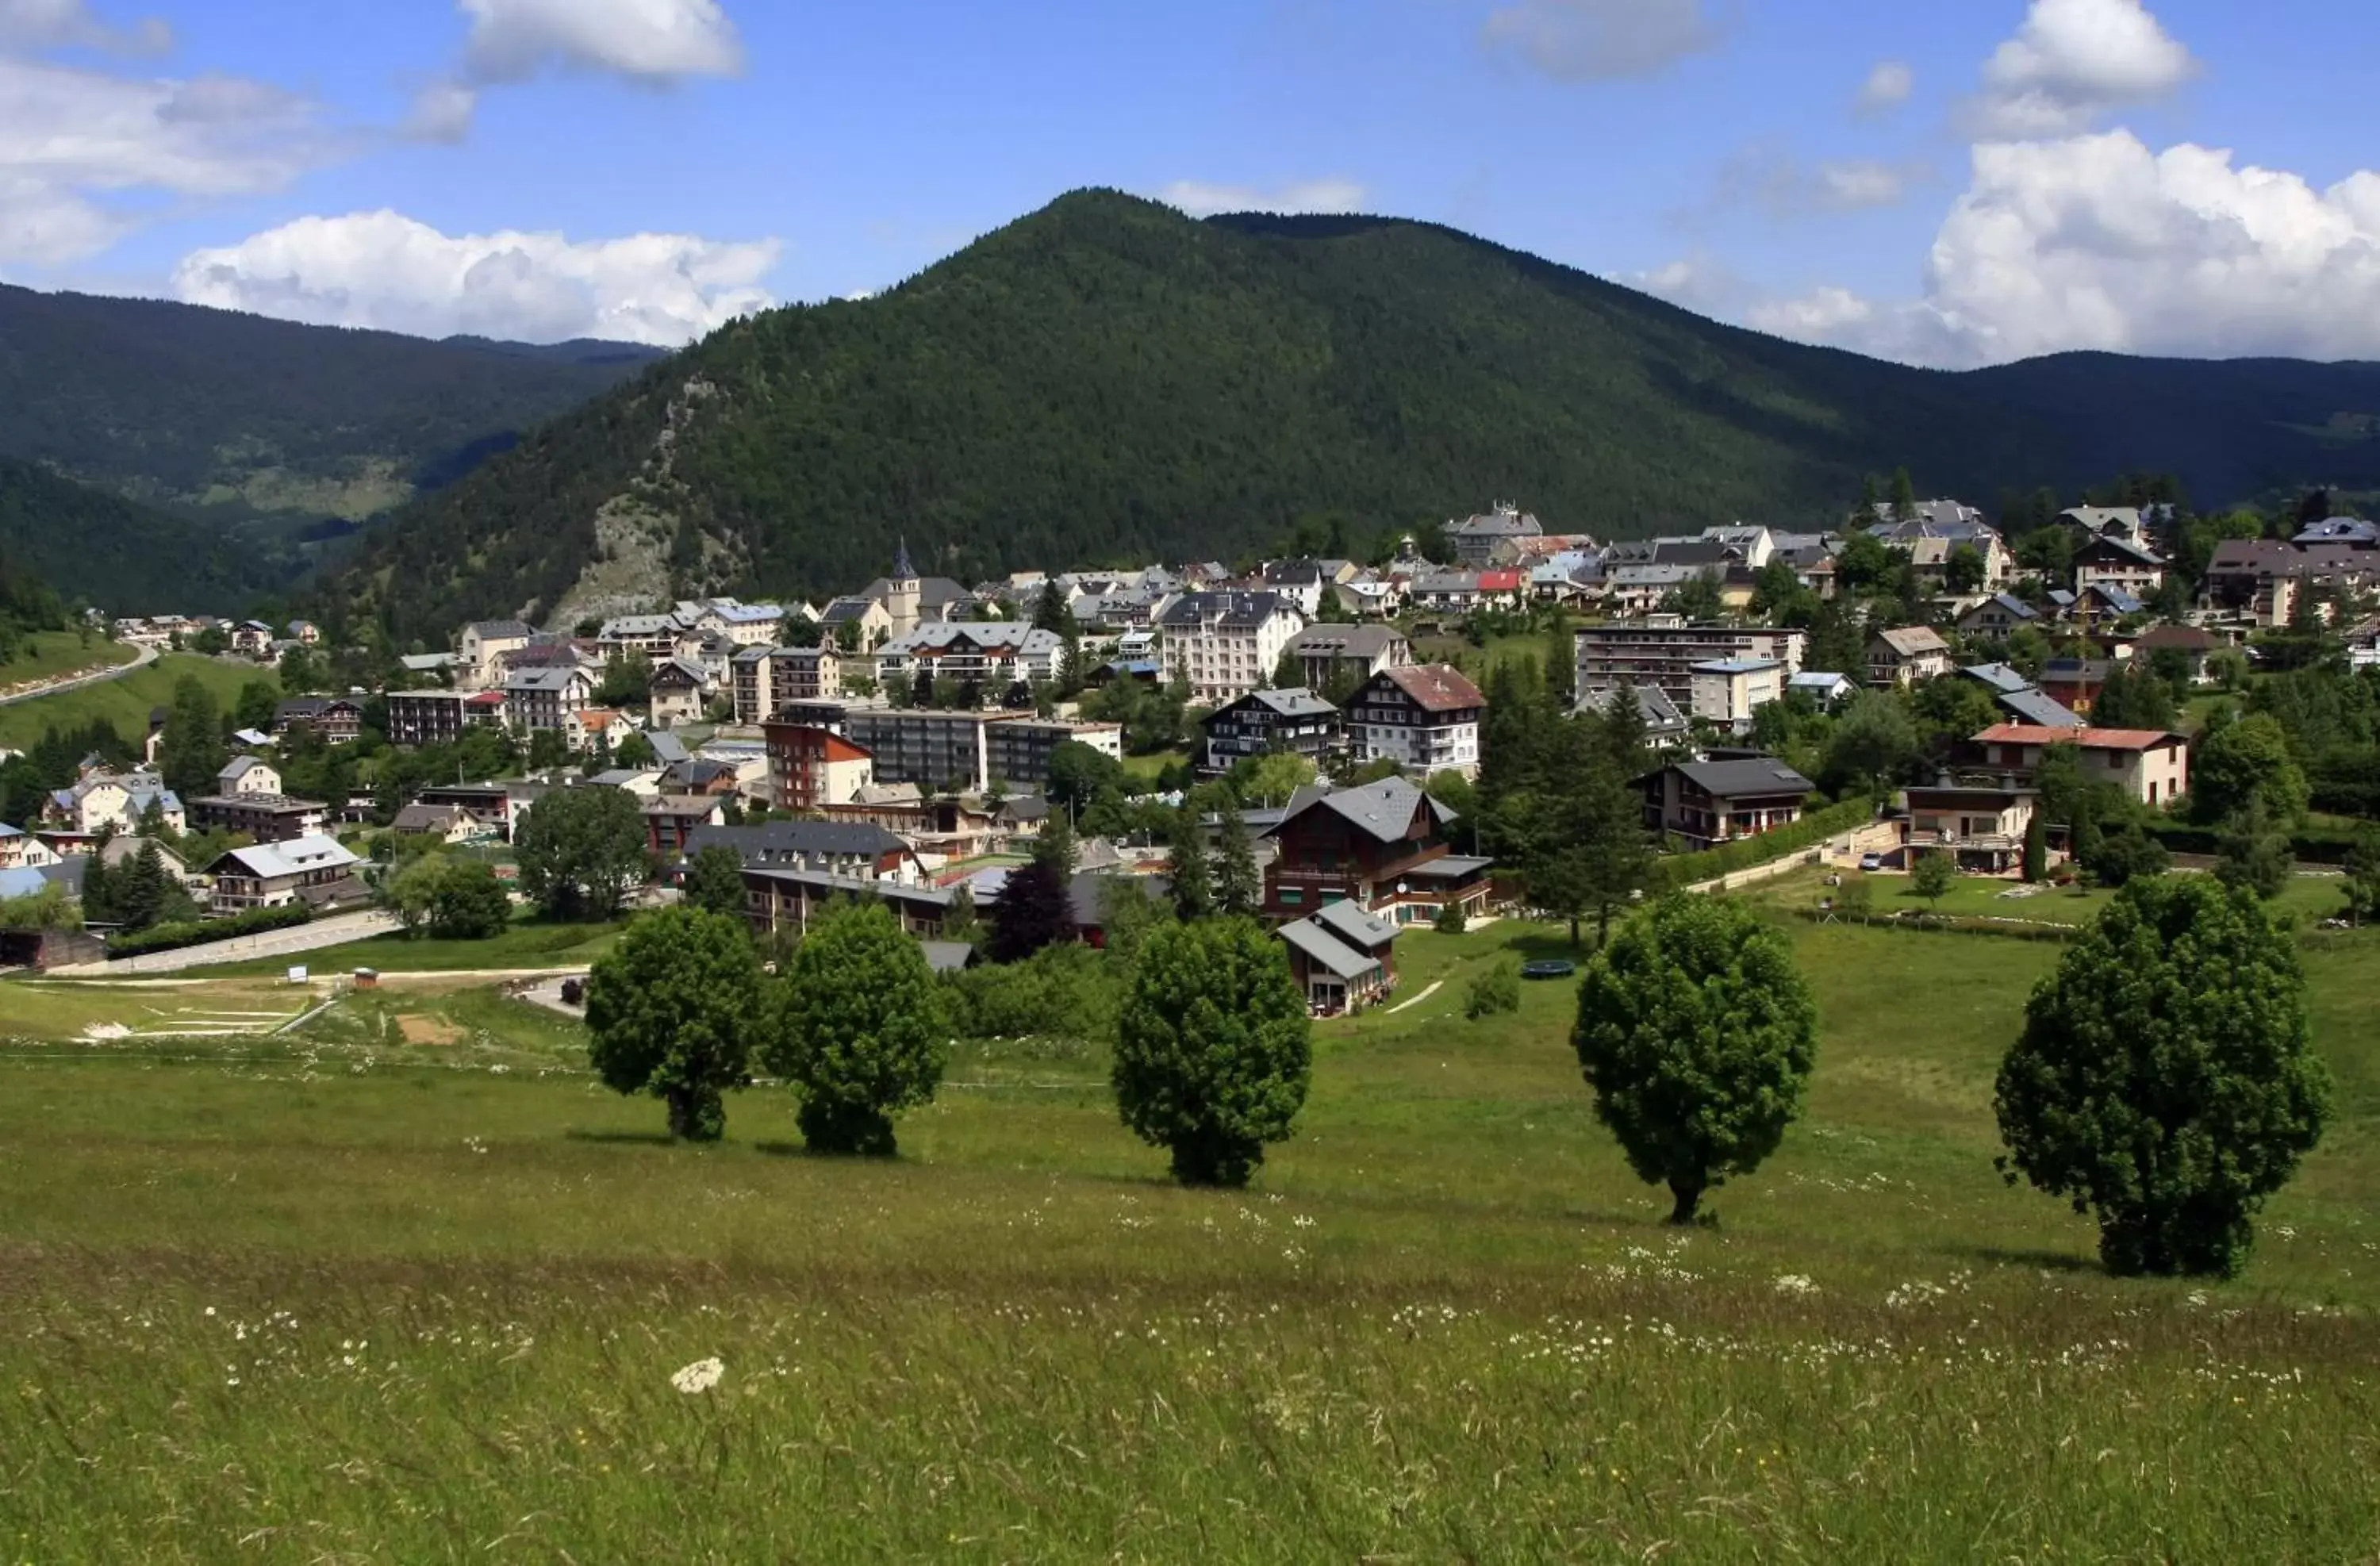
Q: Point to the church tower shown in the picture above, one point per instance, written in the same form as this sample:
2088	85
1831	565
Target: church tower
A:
904	596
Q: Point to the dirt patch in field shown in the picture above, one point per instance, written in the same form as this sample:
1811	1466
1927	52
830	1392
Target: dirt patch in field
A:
429	1030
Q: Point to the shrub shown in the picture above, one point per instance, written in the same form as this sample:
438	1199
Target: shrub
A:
2165	1081
1692	869
1451	920
1214	1049
1060	991
1494	992
206	933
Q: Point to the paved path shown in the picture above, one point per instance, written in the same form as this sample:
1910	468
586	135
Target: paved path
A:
1418	998
146	656
336	930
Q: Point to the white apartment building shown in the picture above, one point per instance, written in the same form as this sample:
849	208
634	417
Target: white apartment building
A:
1424	717
996	652
1226	644
1728	692
1663	651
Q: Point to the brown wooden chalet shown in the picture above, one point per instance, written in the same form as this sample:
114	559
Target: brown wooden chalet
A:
1381	848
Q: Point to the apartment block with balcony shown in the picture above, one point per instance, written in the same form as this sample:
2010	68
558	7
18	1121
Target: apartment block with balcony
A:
1663	651
1224	645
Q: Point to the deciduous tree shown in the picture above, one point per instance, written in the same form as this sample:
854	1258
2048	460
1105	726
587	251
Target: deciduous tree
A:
714	881
580	850
1697	1034
1213	1050
2165	1082
859	1034
672	1010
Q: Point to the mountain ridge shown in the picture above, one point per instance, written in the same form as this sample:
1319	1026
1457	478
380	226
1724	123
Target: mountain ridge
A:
1108	378
234	417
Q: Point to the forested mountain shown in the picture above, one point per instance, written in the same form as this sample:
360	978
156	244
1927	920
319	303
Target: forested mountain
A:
244	417
1108	380
126	557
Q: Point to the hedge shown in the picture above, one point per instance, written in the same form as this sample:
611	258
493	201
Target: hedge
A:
206	933
2314	842
1691	869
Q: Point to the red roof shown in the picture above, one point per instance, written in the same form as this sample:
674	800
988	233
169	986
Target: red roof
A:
1436	687
485	698
1499	581
2089	739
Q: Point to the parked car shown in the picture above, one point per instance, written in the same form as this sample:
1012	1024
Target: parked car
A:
1871	862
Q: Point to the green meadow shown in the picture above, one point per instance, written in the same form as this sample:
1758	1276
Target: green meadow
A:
404	1283
126	703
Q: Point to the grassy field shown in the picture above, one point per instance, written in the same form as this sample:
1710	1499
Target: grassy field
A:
357	1293
62	652
1144	769
2307	900
127	703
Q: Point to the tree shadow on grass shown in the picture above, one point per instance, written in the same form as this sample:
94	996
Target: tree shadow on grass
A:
2047	1261
623	1139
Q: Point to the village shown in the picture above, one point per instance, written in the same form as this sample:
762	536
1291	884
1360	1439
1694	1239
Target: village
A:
910	742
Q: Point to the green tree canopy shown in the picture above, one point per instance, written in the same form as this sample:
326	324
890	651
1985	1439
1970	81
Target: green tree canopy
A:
671	1013
190	753
1214	1050
580	850
2248	760
714	881
1696	1033
2165	1081
859	1034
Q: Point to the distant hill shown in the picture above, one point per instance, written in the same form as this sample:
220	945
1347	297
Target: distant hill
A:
241	417
1107	379
126	557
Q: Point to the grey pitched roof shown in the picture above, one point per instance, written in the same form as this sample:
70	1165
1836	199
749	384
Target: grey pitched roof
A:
1999	676
667	747
1762	775
1295	702
1346	642
1323	947
785	842
1237	611
2040	710
1385	808
545	679
1356	928
501	630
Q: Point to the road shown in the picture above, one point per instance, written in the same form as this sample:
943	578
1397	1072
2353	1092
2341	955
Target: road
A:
147	655
336	930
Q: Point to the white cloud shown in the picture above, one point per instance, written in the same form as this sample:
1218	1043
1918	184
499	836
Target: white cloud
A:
2072	63
656	41
442	112
1200	199
1887	87
385	270
74	143
1598	40
1697	283
2099	242
1787	188
62	24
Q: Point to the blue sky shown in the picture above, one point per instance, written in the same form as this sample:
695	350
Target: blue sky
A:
1948	184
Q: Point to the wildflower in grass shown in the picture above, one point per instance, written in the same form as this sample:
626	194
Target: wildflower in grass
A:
700	1376
1794	1283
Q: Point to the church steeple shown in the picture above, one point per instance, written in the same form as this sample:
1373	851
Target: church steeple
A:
902	570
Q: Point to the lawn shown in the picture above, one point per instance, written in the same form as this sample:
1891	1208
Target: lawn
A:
1145	770
527	943
2308	900
367	1293
56	653
127	703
